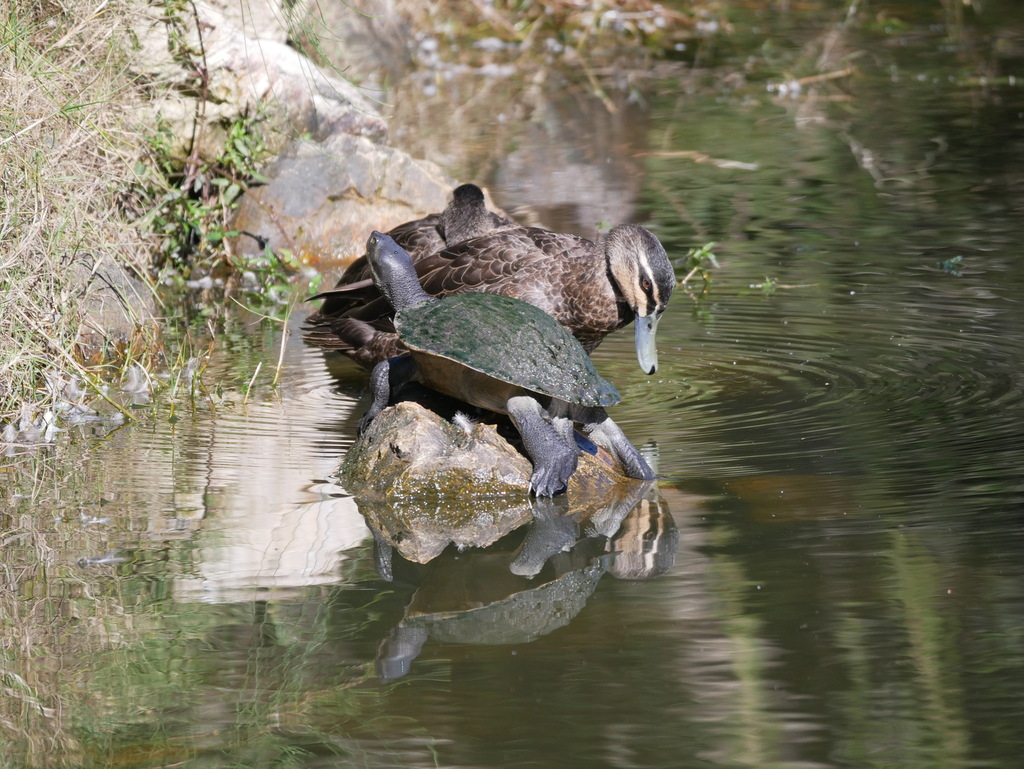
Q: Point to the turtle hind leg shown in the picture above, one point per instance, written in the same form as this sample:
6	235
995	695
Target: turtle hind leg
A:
361	341
554	460
385	379
600	428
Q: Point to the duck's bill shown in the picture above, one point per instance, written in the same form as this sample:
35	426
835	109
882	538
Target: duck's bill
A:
646	349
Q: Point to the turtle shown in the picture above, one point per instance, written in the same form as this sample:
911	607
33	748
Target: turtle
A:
593	288
501	354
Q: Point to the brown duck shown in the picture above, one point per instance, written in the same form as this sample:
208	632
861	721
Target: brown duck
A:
465	217
590	288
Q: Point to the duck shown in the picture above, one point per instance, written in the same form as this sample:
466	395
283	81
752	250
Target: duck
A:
466	216
591	287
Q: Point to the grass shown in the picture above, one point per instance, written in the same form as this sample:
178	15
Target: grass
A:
67	147
85	174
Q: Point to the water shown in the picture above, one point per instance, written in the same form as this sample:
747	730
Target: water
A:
840	454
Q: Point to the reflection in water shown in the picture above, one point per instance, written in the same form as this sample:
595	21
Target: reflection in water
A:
272	521
515	596
646	542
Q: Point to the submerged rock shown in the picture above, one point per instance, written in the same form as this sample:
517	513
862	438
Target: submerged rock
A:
114	302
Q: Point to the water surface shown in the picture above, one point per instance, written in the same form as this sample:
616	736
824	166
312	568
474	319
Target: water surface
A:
837	424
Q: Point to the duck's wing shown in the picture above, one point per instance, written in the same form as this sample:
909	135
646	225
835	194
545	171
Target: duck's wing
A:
420	237
501	262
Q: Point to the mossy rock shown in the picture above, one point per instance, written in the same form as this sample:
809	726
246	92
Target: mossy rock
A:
424	483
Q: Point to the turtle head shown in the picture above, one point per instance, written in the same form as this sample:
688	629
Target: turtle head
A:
393	272
644	277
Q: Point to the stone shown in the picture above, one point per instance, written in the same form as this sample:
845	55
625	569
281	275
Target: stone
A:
321	199
424	483
115	302
244	76
259	19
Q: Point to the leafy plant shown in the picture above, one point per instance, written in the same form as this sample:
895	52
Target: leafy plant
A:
190	200
698	263
767	286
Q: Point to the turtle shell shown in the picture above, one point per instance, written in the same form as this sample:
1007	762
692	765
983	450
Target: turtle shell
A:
508	339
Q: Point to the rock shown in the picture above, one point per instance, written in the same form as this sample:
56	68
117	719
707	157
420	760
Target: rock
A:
424	483
259	19
410	451
224	61
243	77
115	302
323	198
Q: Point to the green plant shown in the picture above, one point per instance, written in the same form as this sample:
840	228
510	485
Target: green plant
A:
698	263
952	266
189	201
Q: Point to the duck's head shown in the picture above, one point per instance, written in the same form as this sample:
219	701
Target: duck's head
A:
466	216
645	279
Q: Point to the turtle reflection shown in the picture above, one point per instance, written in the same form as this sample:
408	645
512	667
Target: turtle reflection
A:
532	582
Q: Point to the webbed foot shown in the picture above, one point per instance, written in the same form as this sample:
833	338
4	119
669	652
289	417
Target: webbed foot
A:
554	460
551	472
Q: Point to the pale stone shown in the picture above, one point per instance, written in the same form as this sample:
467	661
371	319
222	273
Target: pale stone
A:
321	200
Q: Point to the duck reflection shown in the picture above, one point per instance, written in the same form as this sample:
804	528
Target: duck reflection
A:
646	541
531	582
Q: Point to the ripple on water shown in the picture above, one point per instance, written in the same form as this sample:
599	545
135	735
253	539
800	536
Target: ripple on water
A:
767	379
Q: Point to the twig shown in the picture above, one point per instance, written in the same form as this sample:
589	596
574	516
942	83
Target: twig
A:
255	374
280	354
825	76
689	275
700	157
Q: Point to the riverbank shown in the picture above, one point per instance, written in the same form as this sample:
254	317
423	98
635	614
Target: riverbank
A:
132	132
70	141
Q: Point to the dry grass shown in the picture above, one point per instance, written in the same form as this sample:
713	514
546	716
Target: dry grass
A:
67	147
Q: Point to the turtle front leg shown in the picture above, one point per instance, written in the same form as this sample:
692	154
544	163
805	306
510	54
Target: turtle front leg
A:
553	459
600	428
385	379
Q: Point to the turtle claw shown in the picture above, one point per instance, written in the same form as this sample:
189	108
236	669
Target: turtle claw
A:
553	459
543	486
367	419
551	475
